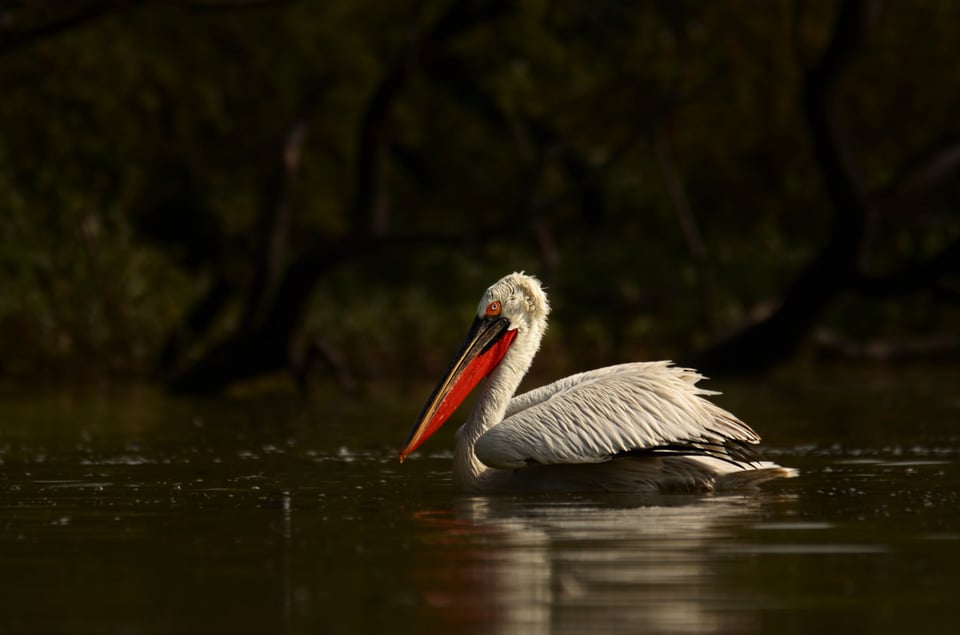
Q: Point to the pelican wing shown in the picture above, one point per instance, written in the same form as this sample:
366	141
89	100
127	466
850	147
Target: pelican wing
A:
651	407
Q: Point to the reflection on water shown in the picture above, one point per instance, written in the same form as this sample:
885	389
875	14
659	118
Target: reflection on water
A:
870	545
134	513
621	564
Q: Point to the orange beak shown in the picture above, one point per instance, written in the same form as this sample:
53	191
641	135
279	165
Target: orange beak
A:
485	345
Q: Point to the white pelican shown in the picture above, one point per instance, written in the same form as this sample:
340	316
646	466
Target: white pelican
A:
635	427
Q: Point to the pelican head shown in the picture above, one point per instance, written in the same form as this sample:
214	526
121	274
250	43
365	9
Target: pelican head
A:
514	306
521	299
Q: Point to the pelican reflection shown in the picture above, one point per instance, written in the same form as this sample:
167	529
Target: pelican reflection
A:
625	564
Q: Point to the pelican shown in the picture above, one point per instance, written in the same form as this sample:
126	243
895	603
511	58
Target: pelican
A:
635	427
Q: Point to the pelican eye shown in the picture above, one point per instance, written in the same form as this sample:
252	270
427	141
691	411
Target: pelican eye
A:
493	309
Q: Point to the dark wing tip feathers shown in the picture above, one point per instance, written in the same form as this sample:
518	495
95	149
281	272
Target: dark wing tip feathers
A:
729	450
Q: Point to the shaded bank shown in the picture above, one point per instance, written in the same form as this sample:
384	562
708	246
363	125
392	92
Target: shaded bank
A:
293	187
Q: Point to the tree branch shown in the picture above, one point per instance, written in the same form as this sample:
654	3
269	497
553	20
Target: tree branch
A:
370	212
12	38
834	268
921	174
275	217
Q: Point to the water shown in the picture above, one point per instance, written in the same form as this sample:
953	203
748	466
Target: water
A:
126	512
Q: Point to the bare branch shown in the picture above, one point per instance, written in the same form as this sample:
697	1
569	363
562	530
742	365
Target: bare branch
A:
834	268
16	30
13	36
371	203
921	174
930	347
275	218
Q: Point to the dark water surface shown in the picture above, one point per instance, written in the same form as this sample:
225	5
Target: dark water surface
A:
127	512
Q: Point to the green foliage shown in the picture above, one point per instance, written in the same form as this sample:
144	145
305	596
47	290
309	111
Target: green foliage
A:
552	111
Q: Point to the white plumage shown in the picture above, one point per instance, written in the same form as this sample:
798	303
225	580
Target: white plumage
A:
588	417
632	427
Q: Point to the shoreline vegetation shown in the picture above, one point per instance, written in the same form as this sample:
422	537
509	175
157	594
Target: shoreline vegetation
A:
201	195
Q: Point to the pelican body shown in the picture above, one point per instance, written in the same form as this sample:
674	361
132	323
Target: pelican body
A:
636	427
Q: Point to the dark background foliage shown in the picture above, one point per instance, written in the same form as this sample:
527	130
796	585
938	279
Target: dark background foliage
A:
208	191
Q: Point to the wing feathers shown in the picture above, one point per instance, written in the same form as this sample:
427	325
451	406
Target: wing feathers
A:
651	407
